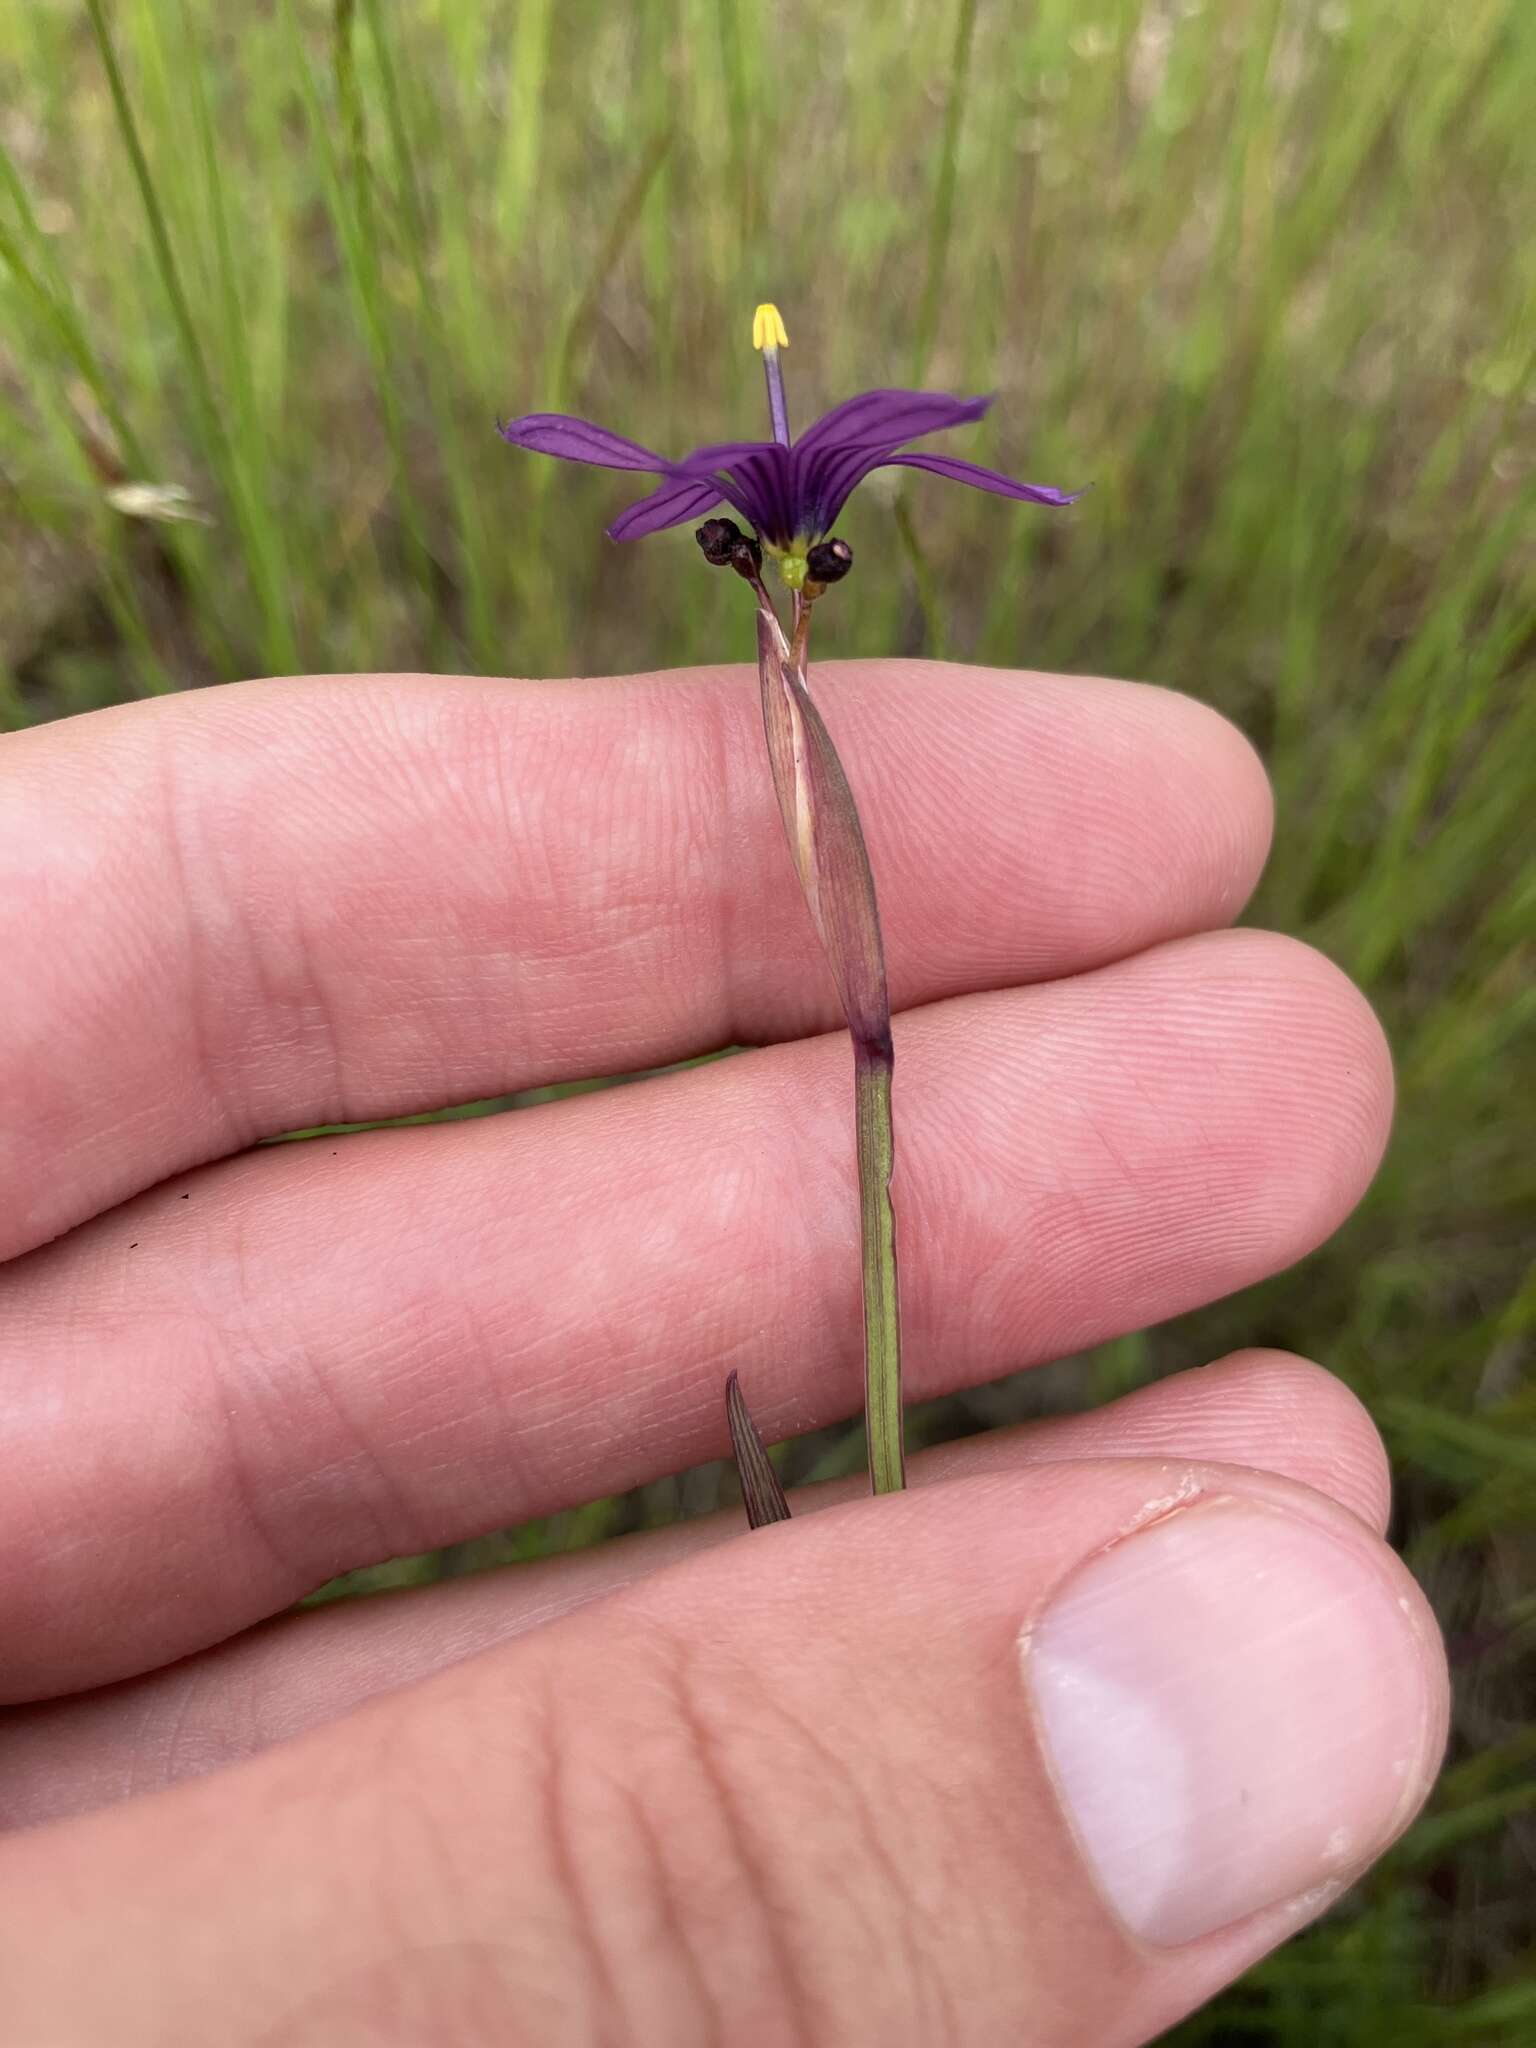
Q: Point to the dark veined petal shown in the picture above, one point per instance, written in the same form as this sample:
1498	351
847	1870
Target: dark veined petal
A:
888	418
980	479
573	440
721	454
827	480
765	481
677	500
755	477
828	465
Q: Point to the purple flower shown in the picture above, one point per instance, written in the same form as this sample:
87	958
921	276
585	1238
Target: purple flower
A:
790	490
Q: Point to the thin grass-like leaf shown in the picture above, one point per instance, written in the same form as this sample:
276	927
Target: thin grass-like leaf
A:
761	1494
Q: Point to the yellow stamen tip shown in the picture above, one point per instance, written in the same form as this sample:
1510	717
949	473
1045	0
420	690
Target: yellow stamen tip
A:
768	328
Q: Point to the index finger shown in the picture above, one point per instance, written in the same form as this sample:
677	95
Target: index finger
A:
332	899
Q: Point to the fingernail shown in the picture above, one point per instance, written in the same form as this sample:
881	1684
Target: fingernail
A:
1237	1707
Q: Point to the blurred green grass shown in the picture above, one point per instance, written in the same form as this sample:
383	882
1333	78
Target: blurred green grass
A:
1262	271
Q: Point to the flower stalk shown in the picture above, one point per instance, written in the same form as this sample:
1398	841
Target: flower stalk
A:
826	841
791	490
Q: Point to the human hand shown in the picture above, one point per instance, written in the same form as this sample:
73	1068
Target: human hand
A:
1046	1749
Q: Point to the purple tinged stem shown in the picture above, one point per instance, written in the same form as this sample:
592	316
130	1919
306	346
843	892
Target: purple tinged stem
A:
827	844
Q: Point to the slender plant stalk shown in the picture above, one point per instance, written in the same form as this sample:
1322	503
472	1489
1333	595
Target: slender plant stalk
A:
872	1071
348	179
159	233
626	213
941	218
827	843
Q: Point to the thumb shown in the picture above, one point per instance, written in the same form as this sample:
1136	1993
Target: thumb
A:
1046	1755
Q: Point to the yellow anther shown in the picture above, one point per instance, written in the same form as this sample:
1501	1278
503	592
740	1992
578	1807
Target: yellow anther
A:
768	328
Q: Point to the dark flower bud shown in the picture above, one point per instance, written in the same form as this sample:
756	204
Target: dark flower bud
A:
717	537
828	562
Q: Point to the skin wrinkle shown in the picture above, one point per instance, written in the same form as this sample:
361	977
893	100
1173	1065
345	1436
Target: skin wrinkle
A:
1132	1073
709	1750
384	1485
710	831
253	1700
413	1862
263	984
311	955
676	1925
396	753
623	1783
170	1741
255	1696
286	962
406	1386
626	916
165	1746
1134	1077
398	1510
692	1916
598	1986
411	1528
497	1396
250	1376
425	792
246	1488
922	1987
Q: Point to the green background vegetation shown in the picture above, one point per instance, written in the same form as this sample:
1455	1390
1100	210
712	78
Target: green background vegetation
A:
1264	272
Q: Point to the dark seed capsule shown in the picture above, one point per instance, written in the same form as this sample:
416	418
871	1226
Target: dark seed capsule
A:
717	537
746	556
828	562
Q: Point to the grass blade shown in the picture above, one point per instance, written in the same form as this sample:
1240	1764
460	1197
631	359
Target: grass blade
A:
941	219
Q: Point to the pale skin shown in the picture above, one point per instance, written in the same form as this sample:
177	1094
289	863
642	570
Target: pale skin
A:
785	1787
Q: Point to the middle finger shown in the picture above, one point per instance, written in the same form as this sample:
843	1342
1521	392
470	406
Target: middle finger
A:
309	1359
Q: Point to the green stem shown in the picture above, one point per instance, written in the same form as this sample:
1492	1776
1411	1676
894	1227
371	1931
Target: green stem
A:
827	842
872	1066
